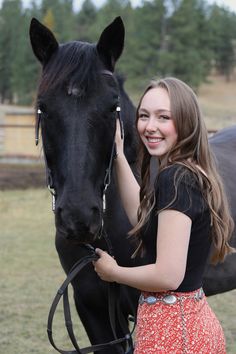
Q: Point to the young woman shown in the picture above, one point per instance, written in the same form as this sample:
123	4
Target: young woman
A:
175	222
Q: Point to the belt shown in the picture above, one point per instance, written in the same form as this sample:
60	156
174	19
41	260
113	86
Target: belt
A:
170	299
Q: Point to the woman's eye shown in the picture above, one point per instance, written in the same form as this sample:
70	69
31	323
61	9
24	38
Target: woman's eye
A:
143	116
164	117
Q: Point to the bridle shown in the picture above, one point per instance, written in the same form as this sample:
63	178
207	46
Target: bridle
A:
113	302
107	179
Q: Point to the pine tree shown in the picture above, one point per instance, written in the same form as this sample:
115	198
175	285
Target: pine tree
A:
10	25
62	15
85	19
147	41
223	36
189	42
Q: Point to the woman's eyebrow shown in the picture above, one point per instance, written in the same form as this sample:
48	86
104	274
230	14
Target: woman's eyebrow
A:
156	111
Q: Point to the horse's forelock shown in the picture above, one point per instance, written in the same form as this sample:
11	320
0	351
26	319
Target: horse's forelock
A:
74	63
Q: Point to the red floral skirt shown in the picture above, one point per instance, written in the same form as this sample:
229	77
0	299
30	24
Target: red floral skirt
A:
187	326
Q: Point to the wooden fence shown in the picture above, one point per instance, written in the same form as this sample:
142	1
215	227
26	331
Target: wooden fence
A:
17	132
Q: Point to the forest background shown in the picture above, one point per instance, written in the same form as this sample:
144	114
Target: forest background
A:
188	39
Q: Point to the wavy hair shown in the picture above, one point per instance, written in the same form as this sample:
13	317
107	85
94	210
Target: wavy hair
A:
193	151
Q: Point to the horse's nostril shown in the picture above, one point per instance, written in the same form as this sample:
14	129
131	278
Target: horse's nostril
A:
77	224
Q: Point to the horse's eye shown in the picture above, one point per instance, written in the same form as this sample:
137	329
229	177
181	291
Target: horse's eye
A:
42	110
115	104
113	108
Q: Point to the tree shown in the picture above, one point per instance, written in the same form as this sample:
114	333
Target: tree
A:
49	20
223	35
62	15
85	20
189	42
147	37
25	69
10	21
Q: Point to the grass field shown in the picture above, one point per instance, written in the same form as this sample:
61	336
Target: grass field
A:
31	274
217	100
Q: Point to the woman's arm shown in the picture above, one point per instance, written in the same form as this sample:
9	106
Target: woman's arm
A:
127	184
168	271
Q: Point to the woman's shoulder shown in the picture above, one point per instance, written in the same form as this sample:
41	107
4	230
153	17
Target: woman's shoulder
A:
177	172
177	187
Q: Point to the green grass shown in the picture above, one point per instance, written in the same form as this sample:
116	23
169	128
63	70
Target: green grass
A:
31	274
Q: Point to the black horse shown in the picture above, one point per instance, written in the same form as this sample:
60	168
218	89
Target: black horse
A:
78	96
222	277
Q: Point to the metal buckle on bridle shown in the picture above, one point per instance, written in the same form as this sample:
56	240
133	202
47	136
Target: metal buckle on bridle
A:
107	179
118	110
53	194
48	171
37	125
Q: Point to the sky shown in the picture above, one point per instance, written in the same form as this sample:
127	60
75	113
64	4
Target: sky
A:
231	4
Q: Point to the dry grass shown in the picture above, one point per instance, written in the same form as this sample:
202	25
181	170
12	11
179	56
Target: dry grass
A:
218	102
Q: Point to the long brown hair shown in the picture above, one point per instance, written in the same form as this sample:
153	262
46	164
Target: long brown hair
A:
191	150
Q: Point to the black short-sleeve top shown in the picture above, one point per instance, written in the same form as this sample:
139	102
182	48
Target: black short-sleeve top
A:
188	199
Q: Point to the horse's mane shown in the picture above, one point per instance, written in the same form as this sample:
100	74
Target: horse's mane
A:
73	63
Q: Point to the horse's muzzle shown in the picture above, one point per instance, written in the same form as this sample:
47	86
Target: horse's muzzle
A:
73	227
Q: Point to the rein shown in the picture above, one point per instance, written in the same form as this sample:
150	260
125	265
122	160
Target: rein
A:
113	288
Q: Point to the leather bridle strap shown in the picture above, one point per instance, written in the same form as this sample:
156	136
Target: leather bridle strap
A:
48	171
63	291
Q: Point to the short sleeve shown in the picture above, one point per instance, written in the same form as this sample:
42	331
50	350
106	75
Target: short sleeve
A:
176	188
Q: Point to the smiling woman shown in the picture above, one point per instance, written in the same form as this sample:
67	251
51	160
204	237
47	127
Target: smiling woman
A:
179	219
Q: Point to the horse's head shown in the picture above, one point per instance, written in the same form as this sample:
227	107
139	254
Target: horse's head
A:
77	98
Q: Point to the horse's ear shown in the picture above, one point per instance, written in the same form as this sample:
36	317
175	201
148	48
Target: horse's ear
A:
43	42
111	43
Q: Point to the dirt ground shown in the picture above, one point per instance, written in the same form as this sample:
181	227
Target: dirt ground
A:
23	176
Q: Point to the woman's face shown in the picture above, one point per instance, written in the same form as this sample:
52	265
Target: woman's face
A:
155	123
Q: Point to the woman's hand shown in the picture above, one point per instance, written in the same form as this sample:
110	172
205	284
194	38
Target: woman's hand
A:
105	267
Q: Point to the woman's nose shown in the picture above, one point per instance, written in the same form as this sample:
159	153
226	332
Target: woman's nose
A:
152	125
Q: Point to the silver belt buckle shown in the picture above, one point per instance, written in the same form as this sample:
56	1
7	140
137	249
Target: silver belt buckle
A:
169	299
151	300
199	295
